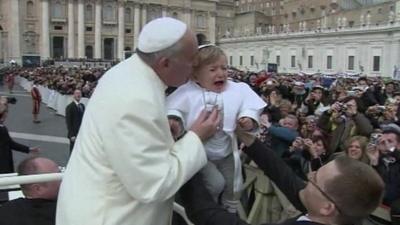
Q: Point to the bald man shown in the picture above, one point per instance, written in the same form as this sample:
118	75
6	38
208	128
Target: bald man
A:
39	205
126	167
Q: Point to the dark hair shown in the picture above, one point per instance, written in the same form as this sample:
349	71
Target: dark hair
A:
268	92
349	98
392	131
321	138
357	190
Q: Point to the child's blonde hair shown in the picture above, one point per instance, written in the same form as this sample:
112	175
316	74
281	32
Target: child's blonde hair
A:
207	55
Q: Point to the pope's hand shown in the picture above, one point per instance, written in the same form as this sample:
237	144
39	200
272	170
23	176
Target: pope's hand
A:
206	124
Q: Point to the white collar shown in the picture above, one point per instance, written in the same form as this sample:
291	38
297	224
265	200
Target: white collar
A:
303	218
76	102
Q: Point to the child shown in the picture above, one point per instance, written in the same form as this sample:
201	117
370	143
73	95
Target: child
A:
209	87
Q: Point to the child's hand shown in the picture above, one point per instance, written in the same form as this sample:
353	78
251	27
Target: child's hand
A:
246	123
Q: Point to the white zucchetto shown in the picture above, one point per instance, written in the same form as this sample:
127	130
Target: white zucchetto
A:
160	34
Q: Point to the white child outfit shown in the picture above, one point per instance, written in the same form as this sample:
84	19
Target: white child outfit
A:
223	171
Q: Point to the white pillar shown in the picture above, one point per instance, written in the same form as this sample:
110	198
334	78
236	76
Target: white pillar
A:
188	17
71	30
211	27
121	30
81	29
97	31
136	27
397	12
164	11
144	15
45	54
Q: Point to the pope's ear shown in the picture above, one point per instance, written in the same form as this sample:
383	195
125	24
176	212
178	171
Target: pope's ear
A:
163	62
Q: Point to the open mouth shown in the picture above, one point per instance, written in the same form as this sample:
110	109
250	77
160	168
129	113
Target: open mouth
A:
219	83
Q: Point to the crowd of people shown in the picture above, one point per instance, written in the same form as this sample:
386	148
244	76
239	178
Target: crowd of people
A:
61	79
329	143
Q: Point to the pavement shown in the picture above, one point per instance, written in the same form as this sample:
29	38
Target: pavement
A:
49	135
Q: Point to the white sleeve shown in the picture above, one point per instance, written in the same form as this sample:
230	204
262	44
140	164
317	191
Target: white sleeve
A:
144	156
252	104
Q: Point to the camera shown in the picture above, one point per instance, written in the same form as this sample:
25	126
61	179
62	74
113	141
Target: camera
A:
11	100
381	108
375	138
343	107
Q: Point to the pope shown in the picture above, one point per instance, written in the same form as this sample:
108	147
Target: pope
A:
126	167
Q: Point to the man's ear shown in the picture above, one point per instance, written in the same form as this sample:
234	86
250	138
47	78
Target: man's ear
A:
163	62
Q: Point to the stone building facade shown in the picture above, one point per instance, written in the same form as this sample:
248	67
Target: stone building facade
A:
317	36
99	29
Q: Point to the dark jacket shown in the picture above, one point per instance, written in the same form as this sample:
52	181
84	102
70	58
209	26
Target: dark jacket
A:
25	211
202	210
390	173
6	145
73	118
338	136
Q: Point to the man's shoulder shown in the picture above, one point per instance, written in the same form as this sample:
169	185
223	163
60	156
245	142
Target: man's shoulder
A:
12	205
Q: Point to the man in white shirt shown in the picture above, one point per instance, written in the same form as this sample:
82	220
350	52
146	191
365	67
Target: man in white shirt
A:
126	167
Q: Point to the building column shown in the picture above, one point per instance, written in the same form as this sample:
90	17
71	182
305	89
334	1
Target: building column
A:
211	27
397	12
97	31
188	17
164	11
81	29
45	54
136	27
71	30
144	15
121	30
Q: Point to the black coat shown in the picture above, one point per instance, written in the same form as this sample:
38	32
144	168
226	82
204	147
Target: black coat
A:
24	211
202	210
73	118
6	145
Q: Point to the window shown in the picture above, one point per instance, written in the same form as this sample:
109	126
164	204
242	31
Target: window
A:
230	60
128	31
240	60
89	29
350	65
351	23
108	13
201	21
310	61
128	15
30	9
278	60
89	13
58	10
377	64
58	27
329	62
89	52
293	61
252	60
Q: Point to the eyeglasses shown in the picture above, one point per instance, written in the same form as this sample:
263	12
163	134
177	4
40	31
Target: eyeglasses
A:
312	179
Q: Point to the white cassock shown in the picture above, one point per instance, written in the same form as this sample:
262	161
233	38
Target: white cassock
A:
238	100
125	167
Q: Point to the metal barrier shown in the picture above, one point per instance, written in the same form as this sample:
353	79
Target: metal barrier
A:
9	181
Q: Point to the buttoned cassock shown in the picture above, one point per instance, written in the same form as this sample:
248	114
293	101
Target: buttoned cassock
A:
125	167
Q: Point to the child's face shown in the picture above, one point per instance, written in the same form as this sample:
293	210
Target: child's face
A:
213	77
